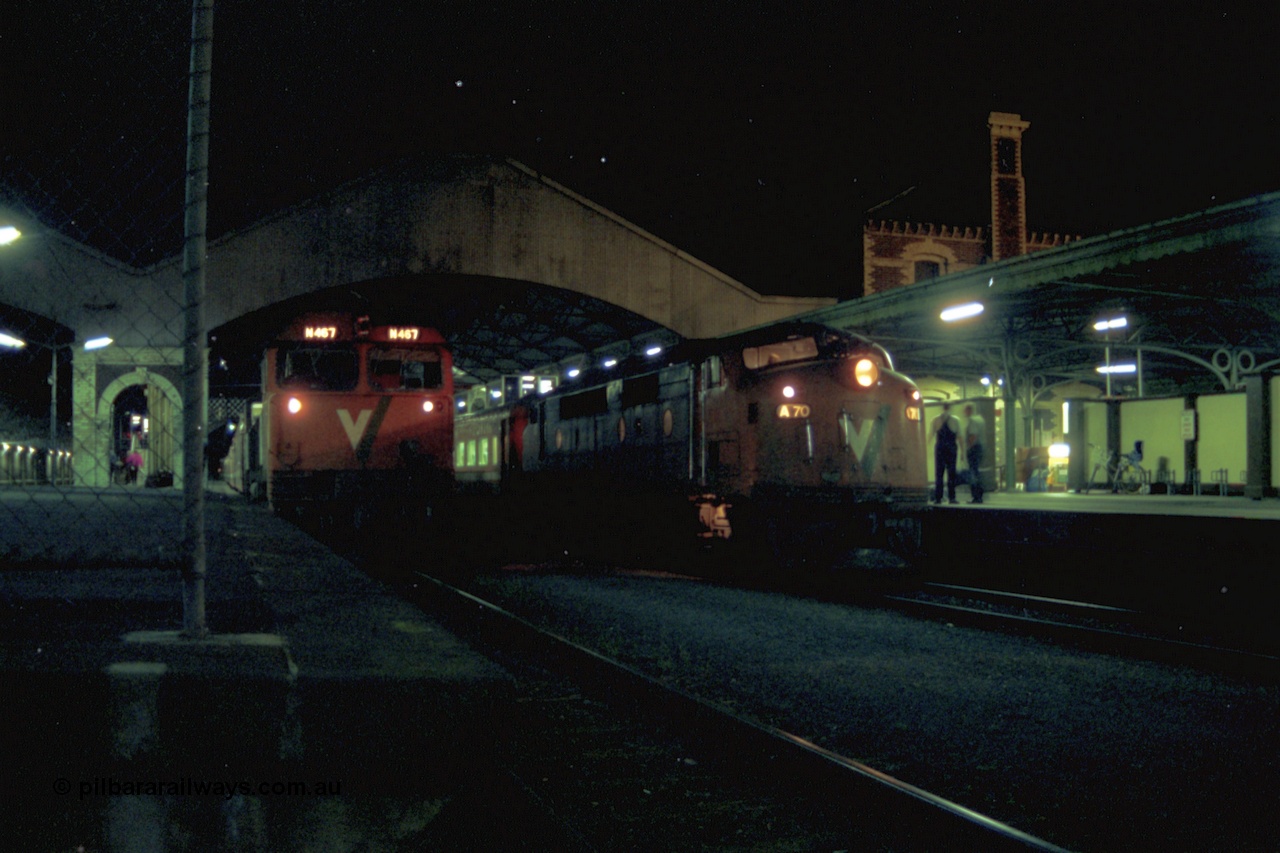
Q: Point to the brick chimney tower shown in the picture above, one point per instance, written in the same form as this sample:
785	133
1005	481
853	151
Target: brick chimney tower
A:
1008	190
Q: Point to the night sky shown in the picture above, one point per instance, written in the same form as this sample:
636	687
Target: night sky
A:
754	136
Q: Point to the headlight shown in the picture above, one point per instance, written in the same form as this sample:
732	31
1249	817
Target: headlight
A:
428	406
865	372
294	405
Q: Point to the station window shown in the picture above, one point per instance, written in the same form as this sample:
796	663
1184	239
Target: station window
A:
460	455
484	453
471	453
925	270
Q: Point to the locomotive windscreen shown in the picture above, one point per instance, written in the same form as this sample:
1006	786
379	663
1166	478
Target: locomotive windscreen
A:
331	368
796	349
405	369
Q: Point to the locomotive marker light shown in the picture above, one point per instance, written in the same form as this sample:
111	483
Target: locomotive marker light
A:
294	405
428	406
788	392
865	372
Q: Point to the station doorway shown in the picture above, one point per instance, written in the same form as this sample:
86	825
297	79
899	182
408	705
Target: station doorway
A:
143	440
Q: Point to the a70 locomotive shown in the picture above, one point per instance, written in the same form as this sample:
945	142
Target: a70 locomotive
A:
794	437
356	415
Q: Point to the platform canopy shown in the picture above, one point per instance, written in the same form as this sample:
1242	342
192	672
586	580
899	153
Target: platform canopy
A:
1199	294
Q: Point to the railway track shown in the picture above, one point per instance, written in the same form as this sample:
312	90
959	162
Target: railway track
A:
1098	627
596	732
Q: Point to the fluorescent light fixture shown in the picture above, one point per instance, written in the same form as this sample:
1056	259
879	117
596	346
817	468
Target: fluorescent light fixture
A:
961	312
1059	451
573	371
653	350
11	342
610	362
1117	368
1113	323
986	380
104	341
8	234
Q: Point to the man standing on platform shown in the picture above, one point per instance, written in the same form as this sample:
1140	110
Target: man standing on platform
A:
975	433
945	433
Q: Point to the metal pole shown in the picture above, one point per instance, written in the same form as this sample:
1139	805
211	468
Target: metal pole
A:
1108	370
194	367
53	413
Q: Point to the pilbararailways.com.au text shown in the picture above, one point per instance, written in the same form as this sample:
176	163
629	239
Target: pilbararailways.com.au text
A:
189	786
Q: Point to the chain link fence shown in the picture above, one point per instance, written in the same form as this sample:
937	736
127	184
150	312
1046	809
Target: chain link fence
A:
92	287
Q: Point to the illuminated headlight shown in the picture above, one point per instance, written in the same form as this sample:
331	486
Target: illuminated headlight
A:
428	406
865	372
294	405
788	392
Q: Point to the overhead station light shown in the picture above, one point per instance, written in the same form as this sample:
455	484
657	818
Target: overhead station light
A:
97	343
1113	323
8	234
961	312
11	342
1118	368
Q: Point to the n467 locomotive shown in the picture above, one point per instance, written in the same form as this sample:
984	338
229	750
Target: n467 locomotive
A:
795	437
356	414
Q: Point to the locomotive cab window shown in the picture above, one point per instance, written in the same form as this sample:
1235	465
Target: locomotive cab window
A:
396	369
783	352
318	368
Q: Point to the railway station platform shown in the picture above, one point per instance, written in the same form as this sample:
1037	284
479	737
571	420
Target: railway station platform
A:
1207	561
319	699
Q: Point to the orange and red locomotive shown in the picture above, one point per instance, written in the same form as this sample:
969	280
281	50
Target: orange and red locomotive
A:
355	413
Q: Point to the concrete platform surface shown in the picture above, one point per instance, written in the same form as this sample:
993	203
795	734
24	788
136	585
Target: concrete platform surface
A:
312	671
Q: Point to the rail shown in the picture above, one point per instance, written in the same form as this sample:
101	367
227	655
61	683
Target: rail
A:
960	824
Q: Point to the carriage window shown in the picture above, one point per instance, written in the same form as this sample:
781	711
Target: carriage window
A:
714	374
797	349
318	368
397	369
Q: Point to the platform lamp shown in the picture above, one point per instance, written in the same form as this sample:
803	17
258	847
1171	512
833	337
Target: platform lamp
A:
54	349
89	345
1105	326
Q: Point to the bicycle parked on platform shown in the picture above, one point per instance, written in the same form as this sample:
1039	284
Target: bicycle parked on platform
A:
1123	473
